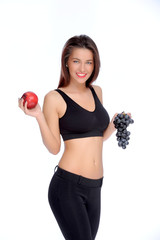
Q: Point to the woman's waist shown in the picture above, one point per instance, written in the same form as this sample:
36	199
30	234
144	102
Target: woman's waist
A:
82	155
90	166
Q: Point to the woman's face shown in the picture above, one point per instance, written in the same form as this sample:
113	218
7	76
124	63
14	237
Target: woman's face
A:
80	64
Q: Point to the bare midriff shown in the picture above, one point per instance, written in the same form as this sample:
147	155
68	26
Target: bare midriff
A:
83	156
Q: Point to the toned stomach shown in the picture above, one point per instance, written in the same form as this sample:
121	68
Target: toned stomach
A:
83	156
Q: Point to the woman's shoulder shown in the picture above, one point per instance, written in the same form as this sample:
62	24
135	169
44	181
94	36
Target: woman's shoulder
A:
53	98
52	95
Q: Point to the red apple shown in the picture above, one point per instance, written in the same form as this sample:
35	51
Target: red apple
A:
31	99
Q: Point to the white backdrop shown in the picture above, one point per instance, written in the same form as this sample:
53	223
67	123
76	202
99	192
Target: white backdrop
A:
32	35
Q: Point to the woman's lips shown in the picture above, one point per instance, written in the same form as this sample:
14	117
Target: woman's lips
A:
81	75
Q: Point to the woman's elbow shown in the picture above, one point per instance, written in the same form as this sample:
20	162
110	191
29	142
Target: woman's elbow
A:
53	149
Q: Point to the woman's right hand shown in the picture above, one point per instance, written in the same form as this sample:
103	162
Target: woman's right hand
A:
34	112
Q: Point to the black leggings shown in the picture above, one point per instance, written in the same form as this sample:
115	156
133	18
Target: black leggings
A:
75	202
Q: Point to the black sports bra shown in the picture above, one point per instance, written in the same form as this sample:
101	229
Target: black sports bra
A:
78	122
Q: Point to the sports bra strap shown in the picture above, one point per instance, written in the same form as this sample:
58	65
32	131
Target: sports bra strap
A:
62	94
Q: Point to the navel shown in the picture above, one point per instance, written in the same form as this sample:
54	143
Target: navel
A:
94	162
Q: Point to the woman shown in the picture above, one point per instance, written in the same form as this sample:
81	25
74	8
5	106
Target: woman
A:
75	111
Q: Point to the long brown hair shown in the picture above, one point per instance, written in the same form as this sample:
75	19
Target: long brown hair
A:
81	41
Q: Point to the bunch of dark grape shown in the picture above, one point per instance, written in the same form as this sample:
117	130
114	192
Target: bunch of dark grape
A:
121	122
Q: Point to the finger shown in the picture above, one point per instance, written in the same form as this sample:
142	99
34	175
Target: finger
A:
115	115
21	103
25	107
129	115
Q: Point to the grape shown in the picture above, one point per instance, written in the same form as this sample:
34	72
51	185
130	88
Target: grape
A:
121	122
128	133
119	143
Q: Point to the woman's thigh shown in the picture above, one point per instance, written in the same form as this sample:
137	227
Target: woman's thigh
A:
69	203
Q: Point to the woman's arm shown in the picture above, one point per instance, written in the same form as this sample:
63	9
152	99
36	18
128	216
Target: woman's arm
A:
48	122
49	139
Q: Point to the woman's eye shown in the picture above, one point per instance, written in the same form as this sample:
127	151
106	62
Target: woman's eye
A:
75	61
89	62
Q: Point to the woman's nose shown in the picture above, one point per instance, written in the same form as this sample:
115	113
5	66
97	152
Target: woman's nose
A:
82	67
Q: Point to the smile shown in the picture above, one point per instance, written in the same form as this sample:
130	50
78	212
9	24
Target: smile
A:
81	75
